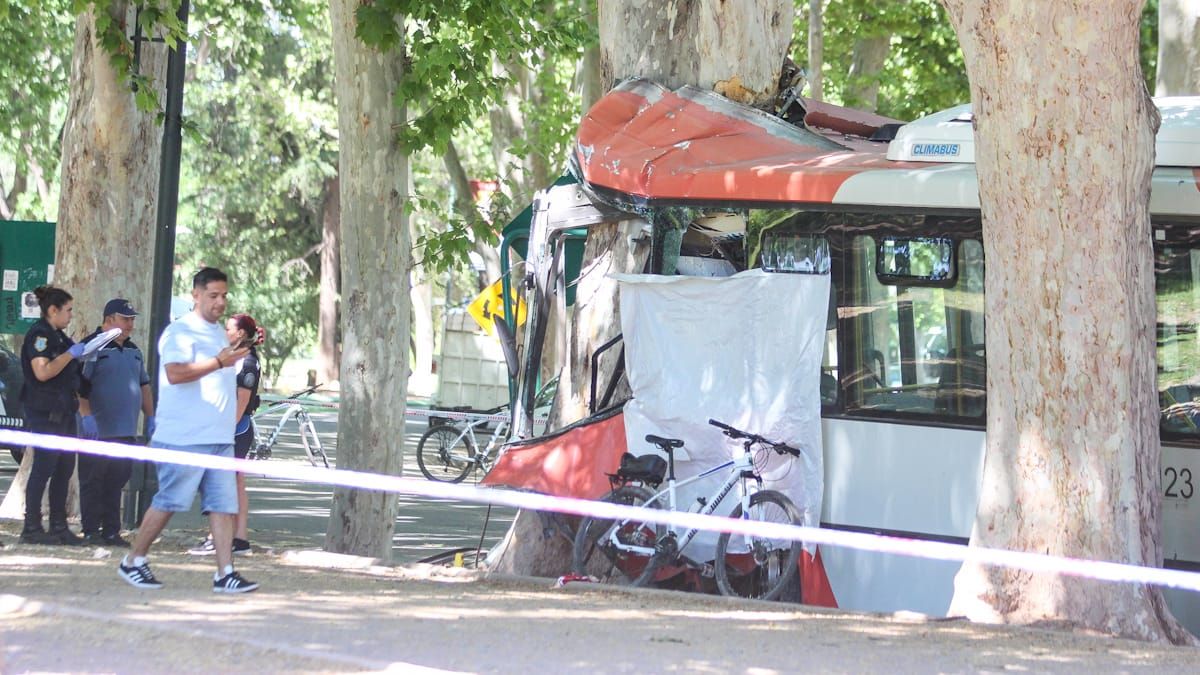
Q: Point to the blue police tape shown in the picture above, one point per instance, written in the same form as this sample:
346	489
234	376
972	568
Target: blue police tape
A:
1032	562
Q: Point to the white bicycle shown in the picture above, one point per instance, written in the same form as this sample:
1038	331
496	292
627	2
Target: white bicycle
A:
450	449
641	552
308	431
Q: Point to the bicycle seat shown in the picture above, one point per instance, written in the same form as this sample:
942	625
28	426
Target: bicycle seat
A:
667	444
649	469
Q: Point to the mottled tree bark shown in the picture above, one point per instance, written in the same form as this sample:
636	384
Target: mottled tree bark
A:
376	261
1064	152
733	48
104	244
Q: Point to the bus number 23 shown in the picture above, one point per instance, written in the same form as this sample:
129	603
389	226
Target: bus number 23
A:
1179	482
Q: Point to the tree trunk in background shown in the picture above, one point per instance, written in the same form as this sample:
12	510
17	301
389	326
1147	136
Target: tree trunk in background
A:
376	261
816	50
1064	152
866	62
735	48
587	76
328	351
104	244
1178	48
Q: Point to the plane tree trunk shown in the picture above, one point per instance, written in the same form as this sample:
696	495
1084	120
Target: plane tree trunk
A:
376	261
1064	152
736	49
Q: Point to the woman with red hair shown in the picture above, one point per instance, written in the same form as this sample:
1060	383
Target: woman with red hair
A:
242	329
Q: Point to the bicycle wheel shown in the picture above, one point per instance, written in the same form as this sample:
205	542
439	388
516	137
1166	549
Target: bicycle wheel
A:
312	446
613	565
444	454
759	567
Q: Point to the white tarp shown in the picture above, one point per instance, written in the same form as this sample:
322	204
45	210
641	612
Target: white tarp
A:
744	350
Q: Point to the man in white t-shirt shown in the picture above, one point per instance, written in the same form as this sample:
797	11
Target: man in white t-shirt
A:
197	401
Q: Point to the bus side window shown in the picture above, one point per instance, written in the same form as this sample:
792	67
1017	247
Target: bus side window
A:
914	348
1177	295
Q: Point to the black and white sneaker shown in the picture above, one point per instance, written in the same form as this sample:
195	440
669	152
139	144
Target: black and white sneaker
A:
138	576
203	548
241	547
233	583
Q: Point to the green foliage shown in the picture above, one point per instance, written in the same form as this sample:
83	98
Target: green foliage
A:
462	58
924	71
450	50
262	146
34	76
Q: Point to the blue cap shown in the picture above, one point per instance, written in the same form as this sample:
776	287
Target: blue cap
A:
119	306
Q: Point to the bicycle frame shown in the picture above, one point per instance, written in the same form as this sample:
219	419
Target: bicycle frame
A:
483	456
739	469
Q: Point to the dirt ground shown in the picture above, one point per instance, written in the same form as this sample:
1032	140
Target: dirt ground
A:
65	610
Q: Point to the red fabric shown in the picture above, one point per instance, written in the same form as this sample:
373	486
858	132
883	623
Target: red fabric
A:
570	464
814	585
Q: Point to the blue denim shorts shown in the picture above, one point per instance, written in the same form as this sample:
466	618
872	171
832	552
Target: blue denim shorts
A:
177	484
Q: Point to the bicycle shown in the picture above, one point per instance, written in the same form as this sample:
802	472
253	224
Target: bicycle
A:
449	449
638	550
308	431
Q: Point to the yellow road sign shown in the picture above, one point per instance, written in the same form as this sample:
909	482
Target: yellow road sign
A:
490	304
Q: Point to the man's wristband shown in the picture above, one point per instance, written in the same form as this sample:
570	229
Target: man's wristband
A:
219	364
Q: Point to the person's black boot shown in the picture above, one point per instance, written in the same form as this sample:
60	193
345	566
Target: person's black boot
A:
34	534
63	535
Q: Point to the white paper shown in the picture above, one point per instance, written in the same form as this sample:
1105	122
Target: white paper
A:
11	277
50	273
97	343
30	309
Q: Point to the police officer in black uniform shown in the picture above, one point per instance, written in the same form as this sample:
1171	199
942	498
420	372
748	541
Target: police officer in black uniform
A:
50	362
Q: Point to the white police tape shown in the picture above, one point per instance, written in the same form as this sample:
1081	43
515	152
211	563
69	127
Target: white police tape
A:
273	402
1033	562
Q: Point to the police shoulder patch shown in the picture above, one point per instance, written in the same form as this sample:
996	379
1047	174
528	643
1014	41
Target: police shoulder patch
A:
39	344
249	379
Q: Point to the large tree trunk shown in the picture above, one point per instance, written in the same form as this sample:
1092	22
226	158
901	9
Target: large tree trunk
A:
1178	48
1064	152
104	242
108	200
377	259
735	48
329	354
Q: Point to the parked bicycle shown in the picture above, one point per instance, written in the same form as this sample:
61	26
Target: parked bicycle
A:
450	449
262	448
641	552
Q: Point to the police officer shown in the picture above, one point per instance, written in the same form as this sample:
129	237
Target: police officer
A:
50	362
114	389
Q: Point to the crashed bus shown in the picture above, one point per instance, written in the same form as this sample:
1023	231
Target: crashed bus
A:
889	214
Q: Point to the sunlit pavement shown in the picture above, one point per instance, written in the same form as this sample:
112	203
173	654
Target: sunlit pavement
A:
298	513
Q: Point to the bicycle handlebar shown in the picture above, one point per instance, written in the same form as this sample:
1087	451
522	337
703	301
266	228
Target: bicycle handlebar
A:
294	398
781	448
